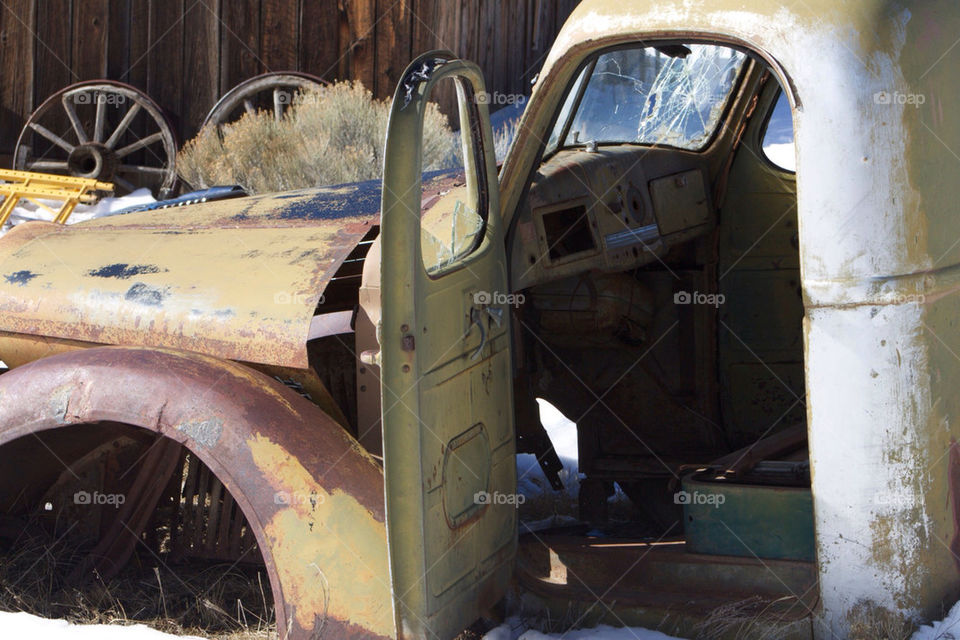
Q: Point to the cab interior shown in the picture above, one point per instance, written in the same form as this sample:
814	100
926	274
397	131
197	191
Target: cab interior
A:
657	254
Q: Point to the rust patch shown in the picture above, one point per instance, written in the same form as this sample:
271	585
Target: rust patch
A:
205	432
123	270
308	538
953	486
21	277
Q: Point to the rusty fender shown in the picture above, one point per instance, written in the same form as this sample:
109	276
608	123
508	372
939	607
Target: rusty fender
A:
313	497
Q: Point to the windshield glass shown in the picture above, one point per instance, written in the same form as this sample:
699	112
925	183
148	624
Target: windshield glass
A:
666	95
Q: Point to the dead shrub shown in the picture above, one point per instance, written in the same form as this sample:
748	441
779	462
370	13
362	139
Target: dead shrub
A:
329	135
870	621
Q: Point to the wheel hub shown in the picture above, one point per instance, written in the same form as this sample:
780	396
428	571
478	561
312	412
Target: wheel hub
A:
92	160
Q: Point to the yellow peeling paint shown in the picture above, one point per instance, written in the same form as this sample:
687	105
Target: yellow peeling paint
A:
330	552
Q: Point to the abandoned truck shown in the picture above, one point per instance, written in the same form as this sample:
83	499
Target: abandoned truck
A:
764	361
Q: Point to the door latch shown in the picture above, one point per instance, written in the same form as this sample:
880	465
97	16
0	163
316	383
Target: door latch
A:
477	315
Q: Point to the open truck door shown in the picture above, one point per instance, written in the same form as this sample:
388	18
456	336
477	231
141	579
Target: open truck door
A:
445	356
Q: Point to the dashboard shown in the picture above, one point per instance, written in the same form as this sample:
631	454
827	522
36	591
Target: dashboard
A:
609	209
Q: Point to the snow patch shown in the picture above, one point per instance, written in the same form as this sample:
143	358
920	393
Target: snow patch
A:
26	210
515	630
25	625
783	154
945	629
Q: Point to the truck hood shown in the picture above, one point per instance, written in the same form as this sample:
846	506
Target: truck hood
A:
239	279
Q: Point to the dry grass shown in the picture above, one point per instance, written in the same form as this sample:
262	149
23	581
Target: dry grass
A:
217	600
330	135
869	621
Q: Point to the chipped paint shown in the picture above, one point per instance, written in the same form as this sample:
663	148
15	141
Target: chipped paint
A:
308	537
20	277
123	270
257	448
954	493
205	432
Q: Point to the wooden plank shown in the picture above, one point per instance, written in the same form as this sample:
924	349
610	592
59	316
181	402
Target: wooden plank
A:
425	32
541	25
201	47
165	56
118	39
319	38
469	23
357	39
515	30
447	34
485	55
16	60
393	40
239	42
90	23
279	31
54	50
137	70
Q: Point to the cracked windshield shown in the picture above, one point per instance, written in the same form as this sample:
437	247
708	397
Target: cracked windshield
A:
670	95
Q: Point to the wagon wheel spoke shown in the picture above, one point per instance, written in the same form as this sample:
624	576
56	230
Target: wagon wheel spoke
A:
270	92
139	144
122	127
139	168
74	119
48	165
277	104
106	129
126	184
98	121
52	137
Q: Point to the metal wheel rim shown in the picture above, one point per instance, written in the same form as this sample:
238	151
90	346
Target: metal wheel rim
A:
240	94
101	93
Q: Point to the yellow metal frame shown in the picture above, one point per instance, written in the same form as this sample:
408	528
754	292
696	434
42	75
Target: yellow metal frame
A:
28	185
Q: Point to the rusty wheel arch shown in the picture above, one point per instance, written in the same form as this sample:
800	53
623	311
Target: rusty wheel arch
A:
324	546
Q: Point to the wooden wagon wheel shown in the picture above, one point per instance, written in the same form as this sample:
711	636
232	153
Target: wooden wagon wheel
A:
105	130
270	91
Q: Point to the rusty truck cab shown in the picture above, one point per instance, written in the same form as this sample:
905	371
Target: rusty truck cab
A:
759	357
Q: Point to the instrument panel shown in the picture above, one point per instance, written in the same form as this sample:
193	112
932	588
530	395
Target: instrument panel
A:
610	209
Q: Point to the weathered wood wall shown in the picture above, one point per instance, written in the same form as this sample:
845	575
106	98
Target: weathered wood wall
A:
186	53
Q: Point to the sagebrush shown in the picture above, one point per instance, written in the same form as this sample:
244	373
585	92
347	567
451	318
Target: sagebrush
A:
329	135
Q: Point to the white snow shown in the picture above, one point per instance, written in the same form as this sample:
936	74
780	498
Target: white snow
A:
513	629
27	210
784	155
532	483
946	629
24	625
563	435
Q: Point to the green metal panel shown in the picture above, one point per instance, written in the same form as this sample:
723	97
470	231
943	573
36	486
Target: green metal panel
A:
748	520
